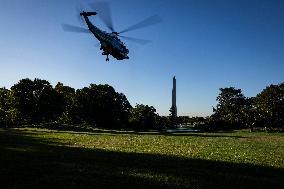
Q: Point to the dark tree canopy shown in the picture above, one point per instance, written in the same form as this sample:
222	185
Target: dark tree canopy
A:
143	117
38	101
99	105
264	110
102	106
230	103
67	95
24	91
8	108
270	105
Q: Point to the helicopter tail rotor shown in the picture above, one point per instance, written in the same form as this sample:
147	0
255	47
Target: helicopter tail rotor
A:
78	9
88	13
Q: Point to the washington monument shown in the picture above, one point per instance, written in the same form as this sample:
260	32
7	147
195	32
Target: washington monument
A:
174	99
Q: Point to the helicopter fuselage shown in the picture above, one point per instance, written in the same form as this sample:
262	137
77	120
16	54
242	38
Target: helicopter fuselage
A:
110	43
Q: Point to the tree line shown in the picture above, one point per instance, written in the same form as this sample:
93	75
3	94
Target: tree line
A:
234	110
36	103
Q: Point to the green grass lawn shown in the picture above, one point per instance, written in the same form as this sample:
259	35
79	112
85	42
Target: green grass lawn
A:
40	158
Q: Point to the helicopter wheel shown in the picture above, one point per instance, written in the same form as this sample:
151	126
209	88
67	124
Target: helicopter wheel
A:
107	59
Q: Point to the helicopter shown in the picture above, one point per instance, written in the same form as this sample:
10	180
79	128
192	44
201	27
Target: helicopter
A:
110	43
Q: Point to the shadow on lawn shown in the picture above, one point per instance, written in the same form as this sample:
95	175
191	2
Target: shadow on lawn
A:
28	162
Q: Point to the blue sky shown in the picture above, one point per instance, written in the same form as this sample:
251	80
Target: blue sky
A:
206	44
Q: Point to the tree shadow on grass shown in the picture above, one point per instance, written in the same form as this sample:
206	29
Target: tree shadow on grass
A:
28	162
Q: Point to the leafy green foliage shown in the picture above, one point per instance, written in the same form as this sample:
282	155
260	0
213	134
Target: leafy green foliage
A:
143	117
270	105
8	108
229	108
38	101
248	113
24	92
68	103
102	106
235	110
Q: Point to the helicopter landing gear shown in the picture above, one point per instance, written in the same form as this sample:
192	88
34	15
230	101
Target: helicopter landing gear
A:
105	53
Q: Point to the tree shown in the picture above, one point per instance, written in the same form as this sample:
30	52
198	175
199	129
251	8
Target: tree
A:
38	101
230	103
143	117
8	108
249	114
68	103
50	105
270	105
102	106
162	122
23	90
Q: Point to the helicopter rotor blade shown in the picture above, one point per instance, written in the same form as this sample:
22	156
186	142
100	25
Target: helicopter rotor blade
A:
136	40
79	9
71	28
104	13
155	19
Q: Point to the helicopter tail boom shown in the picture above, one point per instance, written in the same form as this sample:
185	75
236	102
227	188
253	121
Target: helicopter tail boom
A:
88	13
